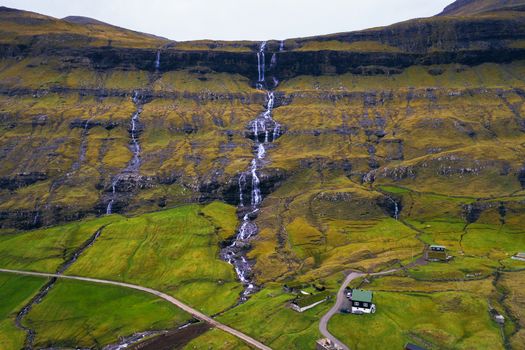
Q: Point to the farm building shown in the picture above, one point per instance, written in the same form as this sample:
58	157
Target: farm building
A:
437	253
519	256
361	302
410	346
305	302
496	316
327	344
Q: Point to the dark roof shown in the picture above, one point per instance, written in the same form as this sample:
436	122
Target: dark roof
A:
362	295
410	346
437	246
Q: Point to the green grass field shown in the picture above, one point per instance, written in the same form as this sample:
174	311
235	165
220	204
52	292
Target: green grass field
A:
80	314
215	339
446	320
267	318
15	292
45	249
175	251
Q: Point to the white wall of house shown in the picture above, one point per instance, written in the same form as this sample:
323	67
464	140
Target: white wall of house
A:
363	310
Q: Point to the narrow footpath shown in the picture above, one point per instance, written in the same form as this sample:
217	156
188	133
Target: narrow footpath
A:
247	339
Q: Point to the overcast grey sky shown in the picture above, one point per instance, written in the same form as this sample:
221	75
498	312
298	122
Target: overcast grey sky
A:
238	19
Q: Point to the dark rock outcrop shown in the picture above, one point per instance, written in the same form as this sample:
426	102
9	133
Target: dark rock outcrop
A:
22	179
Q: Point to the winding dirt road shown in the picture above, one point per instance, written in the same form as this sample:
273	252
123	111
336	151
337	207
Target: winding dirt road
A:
247	339
335	309
323	324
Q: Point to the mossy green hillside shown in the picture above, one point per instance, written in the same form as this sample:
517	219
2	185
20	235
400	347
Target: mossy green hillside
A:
176	251
44	250
15	292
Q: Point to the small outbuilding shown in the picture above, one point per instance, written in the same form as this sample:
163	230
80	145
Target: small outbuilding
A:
437	253
519	256
496	316
305	302
327	344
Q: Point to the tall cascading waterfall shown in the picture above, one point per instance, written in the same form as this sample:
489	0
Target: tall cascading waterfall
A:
262	130
134	164
261	65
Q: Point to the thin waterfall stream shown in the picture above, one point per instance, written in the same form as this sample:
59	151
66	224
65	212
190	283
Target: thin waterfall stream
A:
263	130
134	164
157	61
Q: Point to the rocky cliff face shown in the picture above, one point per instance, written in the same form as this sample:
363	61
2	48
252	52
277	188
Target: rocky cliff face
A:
439	40
428	104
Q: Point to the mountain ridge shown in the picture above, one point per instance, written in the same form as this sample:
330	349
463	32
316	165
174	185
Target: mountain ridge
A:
474	7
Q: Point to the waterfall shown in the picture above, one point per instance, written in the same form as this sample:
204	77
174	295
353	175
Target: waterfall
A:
273	61
396	211
36	217
109	208
261	62
157	61
396	208
241	182
135	146
256	191
264	130
281	46
134	164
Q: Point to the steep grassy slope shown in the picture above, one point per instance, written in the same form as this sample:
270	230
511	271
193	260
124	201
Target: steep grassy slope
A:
393	138
173	250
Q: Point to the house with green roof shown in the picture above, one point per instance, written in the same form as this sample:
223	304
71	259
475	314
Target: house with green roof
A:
361	302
